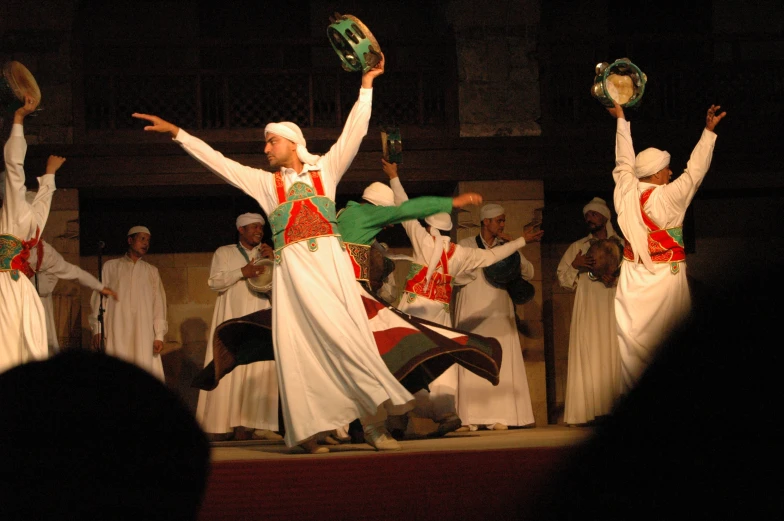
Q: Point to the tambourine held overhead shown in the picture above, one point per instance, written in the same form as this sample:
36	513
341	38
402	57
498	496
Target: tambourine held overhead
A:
16	83
353	42
620	81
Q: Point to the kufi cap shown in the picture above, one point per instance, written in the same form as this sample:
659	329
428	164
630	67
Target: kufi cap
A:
650	161
379	194
491	210
249	218
441	221
292	132
598	205
138	229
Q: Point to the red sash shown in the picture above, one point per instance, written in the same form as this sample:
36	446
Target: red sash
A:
664	245
440	287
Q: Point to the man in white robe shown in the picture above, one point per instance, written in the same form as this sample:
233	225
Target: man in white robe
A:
49	267
428	290
22	318
329	369
134	325
592	371
245	403
485	309
652	297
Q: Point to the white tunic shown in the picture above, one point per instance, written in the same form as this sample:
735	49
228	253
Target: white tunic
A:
483	309
649	304
442	399
54	267
22	319
248	395
592	372
137	318
329	369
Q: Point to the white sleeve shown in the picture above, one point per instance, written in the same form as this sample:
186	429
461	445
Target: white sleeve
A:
55	264
249	180
340	155
221	277
567	275
159	324
479	258
679	193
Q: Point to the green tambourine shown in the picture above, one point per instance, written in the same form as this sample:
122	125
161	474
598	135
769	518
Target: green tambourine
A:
620	81
354	43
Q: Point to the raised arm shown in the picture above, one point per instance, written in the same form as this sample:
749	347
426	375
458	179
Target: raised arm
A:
340	156
680	192
246	178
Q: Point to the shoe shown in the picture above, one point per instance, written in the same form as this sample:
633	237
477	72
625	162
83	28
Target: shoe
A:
497	427
449	423
312	447
379	438
266	434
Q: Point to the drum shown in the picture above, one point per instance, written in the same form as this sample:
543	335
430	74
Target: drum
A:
505	274
354	43
262	283
16	83
620	81
607	254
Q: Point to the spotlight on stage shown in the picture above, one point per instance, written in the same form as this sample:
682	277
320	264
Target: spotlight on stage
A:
620	81
354	43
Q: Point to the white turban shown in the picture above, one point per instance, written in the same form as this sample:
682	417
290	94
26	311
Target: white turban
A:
290	131
598	205
441	221
379	194
138	229
650	161
489	211
249	218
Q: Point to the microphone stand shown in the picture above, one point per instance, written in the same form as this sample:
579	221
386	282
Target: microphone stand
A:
101	345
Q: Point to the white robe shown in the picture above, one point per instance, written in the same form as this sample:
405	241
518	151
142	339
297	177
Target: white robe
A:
483	309
442	400
137	318
592	372
22	318
248	395
53	268
329	369
650	304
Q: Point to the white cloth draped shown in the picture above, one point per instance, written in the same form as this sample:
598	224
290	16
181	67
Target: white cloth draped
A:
483	309
54	267
248	395
137	318
329	369
443	396
593	359
22	317
651	300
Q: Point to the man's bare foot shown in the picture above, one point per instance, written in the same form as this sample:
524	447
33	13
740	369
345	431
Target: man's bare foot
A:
311	446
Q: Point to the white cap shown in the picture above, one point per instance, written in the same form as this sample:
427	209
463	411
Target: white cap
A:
249	218
139	229
441	221
379	194
491	210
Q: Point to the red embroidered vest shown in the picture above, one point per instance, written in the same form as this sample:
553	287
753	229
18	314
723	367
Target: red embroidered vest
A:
440	287
664	245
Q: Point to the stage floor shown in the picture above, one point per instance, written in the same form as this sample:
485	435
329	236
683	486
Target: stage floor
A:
514	438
